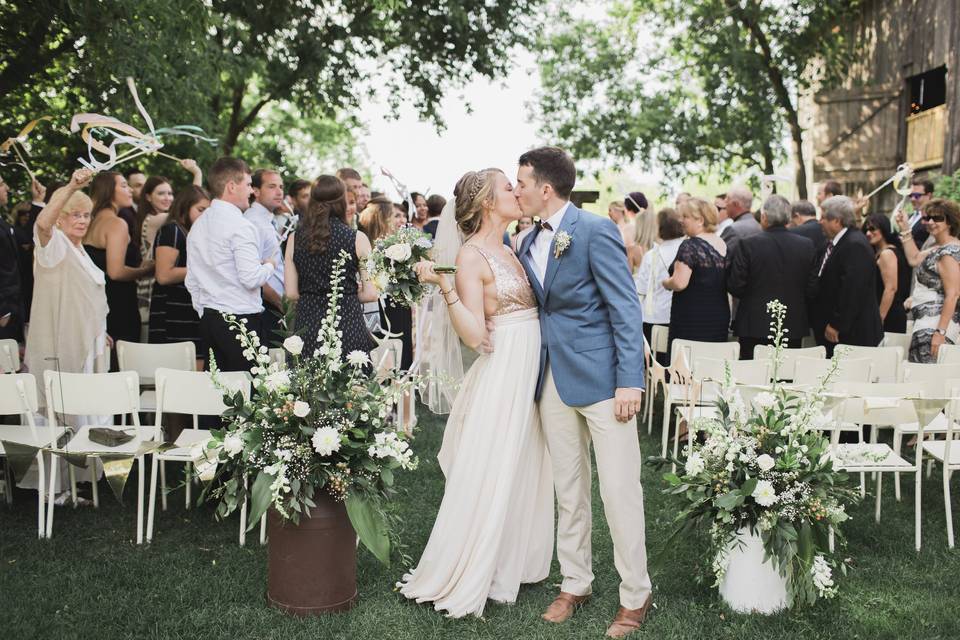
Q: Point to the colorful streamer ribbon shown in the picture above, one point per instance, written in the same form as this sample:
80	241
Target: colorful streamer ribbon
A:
16	144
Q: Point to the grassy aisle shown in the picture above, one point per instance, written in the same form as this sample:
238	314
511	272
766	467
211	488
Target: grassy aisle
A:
91	580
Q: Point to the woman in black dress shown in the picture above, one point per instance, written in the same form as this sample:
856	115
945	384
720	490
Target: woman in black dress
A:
311	253
700	309
893	272
110	247
172	316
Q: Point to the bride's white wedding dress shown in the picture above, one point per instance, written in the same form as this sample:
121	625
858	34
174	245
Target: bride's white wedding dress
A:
494	529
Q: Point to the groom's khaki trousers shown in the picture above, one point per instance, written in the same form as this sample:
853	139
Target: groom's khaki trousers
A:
568	432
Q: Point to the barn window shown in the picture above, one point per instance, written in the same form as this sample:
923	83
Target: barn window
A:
928	89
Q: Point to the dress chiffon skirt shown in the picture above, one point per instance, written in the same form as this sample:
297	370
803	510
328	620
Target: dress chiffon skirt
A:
494	529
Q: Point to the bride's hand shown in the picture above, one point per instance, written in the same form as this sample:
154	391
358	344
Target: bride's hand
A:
424	271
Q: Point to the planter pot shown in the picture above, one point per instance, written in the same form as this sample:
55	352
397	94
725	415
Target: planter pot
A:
312	566
751	585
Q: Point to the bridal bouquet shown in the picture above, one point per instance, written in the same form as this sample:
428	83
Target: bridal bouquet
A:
764	468
318	425
390	265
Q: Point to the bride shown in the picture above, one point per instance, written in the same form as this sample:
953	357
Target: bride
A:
494	529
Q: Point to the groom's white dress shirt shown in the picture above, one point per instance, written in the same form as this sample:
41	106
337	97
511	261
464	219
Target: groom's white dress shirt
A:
540	251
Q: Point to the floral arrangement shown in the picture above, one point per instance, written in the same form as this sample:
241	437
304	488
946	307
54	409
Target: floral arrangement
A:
390	265
764	468
320	424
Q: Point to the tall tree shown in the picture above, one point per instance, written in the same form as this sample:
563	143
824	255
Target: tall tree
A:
718	88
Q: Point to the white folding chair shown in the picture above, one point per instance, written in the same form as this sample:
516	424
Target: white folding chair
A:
655	372
386	357
679	391
83	394
809	371
192	393
947	453
948	354
146	358
901	340
886	360
788	366
9	356
18	396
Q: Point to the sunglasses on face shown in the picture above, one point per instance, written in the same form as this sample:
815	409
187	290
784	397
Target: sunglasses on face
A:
935	218
916	196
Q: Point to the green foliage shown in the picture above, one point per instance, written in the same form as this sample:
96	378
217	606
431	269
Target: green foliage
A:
949	187
370	525
719	93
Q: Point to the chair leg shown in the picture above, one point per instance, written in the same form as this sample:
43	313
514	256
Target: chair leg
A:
948	509
140	491
154	468
93	482
8	484
51	494
73	484
243	516
263	529
41	484
879	495
918	475
187	470
897	447
163	485
665	433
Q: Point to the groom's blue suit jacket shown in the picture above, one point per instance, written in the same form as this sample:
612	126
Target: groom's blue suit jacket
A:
590	317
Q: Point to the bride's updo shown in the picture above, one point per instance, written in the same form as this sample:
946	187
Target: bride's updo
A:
474	193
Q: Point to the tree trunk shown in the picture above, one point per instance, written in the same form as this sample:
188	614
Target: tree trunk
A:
239	121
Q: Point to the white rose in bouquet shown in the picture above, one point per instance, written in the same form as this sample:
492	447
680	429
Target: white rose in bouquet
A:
294	345
233	444
399	252
765	462
695	465
301	409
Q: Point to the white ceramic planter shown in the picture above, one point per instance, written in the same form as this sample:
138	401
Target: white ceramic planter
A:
751	585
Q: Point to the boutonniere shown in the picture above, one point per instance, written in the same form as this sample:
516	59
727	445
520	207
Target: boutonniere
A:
561	242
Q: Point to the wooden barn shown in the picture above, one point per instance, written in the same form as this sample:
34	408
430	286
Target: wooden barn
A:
899	101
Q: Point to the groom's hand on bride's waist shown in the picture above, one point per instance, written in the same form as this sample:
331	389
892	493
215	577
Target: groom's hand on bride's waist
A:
626	403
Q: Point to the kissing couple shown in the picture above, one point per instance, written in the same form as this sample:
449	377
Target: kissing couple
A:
558	325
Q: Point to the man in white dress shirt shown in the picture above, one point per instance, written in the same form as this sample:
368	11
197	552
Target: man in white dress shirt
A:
224	268
268	199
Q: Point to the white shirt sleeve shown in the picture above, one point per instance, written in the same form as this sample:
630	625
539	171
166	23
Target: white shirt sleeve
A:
55	251
246	256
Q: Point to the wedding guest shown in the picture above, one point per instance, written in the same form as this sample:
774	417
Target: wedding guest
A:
524	223
419	210
699	309
153	208
682	197
772	265
845	309
399	215
351	178
654	269
300	194
739	203
617	212
363	196
268	197
136	179
172	316
644	237
828	189
635	206
935	312
225	272
921	193
110	246
311	253
435	205
805	223
23	236
351	215
893	272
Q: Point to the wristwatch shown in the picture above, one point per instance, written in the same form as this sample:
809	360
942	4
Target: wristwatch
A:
942	332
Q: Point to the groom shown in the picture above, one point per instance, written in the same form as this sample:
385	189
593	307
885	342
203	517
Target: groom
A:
590	383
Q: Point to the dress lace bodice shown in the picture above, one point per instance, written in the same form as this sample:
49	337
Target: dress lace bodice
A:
513	288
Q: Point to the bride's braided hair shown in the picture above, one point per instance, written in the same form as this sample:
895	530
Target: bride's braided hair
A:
473	192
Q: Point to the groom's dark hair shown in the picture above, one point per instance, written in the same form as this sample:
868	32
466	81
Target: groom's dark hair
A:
553	166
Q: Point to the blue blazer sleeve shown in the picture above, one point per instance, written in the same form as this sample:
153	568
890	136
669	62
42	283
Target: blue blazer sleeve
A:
611	272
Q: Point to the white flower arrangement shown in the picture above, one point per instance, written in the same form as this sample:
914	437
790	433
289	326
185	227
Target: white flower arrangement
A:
390	265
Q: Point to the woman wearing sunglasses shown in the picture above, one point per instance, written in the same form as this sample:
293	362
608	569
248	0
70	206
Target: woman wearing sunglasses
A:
936	315
893	283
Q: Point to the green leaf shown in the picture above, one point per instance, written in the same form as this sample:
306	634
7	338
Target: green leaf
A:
730	500
259	499
370	525
387	476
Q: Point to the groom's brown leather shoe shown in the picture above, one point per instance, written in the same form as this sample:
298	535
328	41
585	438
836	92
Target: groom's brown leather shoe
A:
628	620
561	609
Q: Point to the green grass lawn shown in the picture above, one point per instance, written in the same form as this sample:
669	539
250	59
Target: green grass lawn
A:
194	581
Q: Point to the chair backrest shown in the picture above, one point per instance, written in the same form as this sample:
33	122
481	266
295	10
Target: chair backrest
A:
278	356
145	359
18	396
9	356
751	372
810	370
689	351
948	354
789	364
901	340
387	355
886	360
876	403
934	377
99	394
659	338
194	393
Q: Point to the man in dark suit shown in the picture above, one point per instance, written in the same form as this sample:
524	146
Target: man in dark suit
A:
805	223
921	192
772	265
845	309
